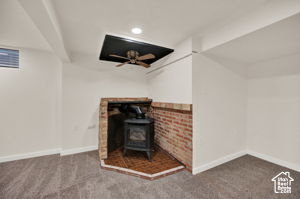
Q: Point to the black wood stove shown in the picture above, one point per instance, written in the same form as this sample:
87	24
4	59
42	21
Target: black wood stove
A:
139	133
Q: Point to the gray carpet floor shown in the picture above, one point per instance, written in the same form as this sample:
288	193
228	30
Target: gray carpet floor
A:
80	176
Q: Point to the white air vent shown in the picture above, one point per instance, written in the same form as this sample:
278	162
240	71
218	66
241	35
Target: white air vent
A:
9	58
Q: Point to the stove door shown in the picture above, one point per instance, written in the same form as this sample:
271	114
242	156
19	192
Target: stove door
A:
136	136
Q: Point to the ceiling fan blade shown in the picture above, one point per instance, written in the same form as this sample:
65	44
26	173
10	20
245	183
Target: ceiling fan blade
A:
147	56
117	56
143	64
122	64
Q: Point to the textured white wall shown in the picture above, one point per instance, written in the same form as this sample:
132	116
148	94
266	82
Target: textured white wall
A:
273	117
219	111
29	104
173	83
83	87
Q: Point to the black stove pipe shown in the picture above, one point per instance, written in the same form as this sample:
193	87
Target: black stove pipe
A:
137	110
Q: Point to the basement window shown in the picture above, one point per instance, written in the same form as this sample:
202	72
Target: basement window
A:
9	58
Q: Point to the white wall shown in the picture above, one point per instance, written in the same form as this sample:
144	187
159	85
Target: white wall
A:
279	66
173	83
273	117
219	112
47	107
83	87
29	104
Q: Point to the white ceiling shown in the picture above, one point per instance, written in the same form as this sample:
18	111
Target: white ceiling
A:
164	22
17	29
276	40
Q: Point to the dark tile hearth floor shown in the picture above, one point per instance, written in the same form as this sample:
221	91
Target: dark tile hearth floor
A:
80	176
138	161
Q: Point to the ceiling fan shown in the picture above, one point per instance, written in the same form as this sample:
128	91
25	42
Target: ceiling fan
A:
134	58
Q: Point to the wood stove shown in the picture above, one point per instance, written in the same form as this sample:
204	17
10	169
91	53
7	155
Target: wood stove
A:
139	135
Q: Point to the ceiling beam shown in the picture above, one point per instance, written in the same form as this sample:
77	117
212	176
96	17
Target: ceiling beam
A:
43	15
270	12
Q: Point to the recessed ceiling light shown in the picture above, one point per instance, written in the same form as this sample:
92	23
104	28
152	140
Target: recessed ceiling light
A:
136	31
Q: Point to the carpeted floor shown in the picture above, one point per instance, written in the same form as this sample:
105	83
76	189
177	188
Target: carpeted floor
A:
80	176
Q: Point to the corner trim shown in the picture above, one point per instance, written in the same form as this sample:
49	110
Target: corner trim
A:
218	162
29	155
78	150
273	160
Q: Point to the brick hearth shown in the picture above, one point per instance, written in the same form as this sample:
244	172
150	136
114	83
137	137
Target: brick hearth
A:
137	164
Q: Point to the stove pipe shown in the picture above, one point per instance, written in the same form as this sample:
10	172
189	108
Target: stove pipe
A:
137	110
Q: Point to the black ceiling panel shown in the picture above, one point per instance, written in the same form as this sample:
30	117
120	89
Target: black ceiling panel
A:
120	46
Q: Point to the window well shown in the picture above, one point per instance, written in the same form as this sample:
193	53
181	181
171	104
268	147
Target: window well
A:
9	58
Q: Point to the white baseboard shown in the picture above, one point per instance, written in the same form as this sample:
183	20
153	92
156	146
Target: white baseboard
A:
47	152
241	153
29	155
217	162
274	160
78	150
195	170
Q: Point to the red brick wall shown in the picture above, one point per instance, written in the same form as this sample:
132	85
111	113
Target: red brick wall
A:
174	130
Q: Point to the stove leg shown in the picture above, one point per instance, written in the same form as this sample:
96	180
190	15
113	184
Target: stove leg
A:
124	152
149	154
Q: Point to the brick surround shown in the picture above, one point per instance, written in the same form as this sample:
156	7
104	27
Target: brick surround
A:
173	128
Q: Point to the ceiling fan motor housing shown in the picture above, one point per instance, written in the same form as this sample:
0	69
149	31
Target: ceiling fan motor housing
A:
132	54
